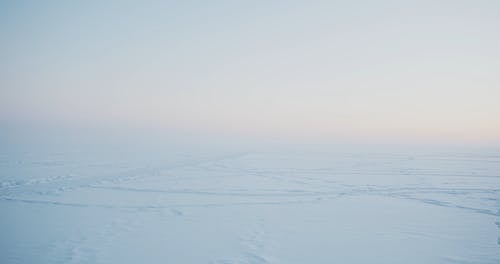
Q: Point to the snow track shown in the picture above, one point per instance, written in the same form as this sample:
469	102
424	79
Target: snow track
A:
254	207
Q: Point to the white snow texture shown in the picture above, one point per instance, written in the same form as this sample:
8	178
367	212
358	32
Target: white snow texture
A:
283	205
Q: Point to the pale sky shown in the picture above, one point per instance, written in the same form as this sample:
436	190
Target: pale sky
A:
323	70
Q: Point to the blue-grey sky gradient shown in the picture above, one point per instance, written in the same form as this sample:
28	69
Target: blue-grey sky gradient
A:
367	70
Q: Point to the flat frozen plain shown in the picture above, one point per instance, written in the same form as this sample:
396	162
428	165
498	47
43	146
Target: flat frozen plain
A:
283	205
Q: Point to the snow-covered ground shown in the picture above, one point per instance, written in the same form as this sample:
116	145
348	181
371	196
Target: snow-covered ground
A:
283	205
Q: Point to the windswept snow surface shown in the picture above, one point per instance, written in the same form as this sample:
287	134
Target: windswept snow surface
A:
261	206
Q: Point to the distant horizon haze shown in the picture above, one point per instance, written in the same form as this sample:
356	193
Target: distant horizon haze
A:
291	71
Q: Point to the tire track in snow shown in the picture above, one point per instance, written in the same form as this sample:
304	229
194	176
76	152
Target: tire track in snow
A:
65	183
152	207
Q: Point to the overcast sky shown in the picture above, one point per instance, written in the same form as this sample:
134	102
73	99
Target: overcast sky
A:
324	70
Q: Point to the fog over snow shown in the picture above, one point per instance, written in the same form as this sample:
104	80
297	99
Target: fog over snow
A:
250	132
